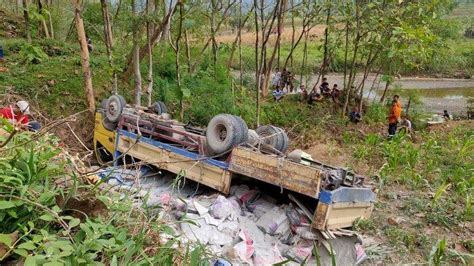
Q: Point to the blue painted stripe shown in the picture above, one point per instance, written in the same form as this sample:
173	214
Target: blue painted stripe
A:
325	197
165	146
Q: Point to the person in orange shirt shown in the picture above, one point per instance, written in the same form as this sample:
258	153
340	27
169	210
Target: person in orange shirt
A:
394	117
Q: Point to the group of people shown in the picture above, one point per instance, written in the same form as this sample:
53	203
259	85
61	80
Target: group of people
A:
283	80
318	95
17	114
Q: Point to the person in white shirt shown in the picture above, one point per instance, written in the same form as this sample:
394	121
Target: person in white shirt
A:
405	125
276	79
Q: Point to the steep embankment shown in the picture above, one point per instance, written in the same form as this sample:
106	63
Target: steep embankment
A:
424	183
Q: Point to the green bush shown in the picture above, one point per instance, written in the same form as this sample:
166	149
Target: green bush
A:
38	224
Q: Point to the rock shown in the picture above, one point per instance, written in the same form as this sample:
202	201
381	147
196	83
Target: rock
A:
395	220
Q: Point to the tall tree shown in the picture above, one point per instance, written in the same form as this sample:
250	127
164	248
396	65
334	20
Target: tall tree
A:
157	33
136	55
86	69
257	65
26	16
149	89
281	11
109	42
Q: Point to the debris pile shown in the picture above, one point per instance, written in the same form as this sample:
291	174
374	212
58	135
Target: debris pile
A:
245	227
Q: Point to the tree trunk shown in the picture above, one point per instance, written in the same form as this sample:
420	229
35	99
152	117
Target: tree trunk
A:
50	19
42	21
346	50
136	56
238	36
117	12
266	32
27	20
241	73
257	67
326	34
108	40
178	70
305	53
149	89
387	86
157	33
188	50
293	34
281	20
213	35
167	26
86	69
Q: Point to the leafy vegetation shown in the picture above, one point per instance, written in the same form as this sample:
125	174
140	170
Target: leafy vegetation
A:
44	221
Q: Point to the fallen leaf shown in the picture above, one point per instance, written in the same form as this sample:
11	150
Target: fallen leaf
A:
3	69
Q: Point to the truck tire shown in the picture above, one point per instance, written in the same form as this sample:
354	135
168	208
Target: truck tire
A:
223	132
274	137
268	135
283	140
243	127
115	105
159	108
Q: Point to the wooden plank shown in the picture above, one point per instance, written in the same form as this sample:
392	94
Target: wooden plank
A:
209	175
320	216
276	170
344	214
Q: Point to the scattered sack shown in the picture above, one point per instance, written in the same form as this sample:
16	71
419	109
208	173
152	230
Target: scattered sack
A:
245	248
274	222
267	256
305	233
222	208
301	252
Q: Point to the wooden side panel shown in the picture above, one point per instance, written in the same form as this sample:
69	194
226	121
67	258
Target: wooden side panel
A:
339	215
211	176
277	171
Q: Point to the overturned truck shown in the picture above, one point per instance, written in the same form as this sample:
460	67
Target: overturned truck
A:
227	150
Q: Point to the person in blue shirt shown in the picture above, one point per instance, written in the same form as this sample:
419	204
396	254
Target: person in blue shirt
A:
278	94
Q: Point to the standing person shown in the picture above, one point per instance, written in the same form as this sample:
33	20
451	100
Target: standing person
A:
324	87
396	98
284	79
276	79
17	113
291	79
394	117
335	93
